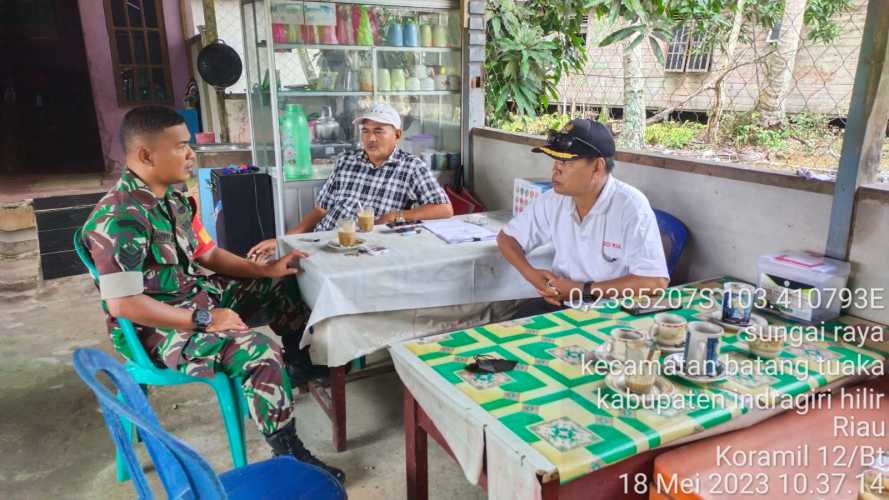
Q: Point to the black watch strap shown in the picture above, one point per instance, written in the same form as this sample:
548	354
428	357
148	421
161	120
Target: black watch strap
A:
201	319
588	295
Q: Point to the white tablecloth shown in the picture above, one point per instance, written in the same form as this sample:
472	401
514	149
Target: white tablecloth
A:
338	340
419	271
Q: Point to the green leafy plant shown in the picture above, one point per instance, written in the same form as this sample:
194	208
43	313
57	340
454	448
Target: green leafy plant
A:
530	45
674	135
533	124
803	130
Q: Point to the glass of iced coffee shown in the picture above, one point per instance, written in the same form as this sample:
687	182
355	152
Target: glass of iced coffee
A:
366	219
345	231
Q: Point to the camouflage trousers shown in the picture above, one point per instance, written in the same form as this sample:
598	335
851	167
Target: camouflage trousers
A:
250	355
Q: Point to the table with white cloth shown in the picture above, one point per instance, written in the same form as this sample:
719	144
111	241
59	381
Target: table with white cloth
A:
419	286
552	429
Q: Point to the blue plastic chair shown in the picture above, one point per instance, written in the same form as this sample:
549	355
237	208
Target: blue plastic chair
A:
183	472
673	236
228	391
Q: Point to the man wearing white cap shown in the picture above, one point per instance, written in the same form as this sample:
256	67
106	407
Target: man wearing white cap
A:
380	176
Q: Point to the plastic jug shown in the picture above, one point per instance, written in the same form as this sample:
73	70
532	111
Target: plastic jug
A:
396	79
295	149
365	33
440	36
426	35
395	38
410	35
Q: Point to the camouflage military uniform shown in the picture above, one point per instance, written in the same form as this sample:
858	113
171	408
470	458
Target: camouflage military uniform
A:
143	244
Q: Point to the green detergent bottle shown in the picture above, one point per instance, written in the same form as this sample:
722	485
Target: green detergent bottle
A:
295	149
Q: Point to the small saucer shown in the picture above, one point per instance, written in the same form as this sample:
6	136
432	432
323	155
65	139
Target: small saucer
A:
716	317
676	362
617	383
335	245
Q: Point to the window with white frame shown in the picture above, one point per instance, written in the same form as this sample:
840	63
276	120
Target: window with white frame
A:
687	53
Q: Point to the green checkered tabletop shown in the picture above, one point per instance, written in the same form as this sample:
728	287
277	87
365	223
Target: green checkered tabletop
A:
557	402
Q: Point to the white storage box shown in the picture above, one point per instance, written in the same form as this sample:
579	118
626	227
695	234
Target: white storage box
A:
804	285
526	191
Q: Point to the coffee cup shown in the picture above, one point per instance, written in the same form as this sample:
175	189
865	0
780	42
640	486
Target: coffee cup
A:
669	329
765	341
702	348
345	232
620	338
641	366
737	302
366	219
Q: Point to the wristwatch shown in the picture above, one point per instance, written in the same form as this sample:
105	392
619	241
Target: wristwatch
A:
588	294
201	319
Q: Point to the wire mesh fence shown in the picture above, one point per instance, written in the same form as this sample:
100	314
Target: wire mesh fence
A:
779	69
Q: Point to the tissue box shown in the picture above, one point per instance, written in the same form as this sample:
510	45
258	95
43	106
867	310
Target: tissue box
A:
525	191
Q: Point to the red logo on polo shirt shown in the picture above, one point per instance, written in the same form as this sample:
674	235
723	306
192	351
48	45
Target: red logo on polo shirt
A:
612	244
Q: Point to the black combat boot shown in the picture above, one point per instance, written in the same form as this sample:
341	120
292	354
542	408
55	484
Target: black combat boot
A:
286	442
299	364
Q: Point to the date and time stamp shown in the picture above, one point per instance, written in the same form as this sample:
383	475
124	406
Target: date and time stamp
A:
829	471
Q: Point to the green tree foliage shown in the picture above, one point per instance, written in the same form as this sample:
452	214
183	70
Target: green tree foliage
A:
530	45
712	19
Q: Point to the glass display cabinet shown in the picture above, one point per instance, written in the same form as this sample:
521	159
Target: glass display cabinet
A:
312	67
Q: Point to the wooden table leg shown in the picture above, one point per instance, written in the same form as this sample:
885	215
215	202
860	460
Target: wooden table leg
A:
338	397
415	451
550	490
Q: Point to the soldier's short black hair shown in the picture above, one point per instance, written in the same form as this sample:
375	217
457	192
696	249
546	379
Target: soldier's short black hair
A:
147	120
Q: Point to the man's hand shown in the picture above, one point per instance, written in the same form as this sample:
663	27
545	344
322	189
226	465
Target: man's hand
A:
225	319
539	278
281	267
559	290
262	251
552	288
387	218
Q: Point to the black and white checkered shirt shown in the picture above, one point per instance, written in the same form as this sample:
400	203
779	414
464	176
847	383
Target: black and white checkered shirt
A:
400	183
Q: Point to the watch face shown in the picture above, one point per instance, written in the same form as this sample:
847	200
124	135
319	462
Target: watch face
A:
203	317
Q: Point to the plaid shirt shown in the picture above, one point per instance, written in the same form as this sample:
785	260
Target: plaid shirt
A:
401	182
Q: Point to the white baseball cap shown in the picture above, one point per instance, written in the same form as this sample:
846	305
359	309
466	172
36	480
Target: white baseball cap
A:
380	113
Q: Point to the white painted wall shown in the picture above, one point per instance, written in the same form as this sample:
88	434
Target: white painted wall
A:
731	222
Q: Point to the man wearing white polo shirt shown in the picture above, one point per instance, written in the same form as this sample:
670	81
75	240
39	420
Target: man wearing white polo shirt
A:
604	232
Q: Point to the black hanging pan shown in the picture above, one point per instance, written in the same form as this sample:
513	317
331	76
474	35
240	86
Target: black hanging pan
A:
219	65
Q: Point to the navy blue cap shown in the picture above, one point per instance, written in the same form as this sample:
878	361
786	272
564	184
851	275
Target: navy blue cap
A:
579	138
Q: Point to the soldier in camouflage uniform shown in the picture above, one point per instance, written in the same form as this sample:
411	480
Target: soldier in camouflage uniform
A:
151	264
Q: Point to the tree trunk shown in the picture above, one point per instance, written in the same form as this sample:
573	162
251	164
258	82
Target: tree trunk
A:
633	132
779	66
715	115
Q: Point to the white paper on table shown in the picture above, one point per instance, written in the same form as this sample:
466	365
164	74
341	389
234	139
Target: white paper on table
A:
458	231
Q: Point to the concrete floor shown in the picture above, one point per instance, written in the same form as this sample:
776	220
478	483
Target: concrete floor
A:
55	445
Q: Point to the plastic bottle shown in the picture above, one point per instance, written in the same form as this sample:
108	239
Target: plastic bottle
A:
295	149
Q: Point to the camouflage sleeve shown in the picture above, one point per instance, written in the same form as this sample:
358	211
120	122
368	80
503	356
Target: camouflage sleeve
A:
185	210
117	236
